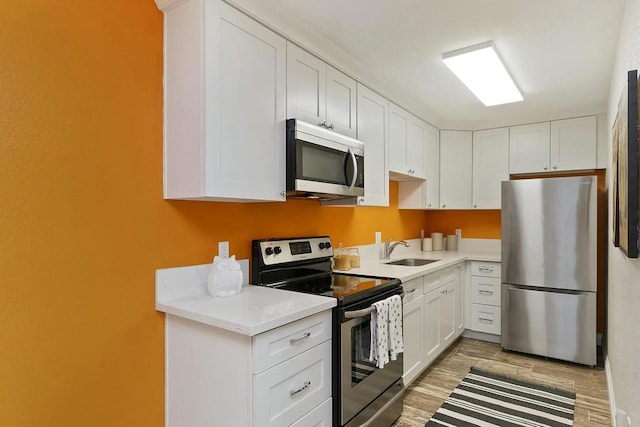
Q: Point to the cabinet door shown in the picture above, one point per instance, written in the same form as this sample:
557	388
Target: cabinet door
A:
573	144
432	167
490	167
306	86
373	117
459	299
455	169
432	328
398	125
448	312
246	76
412	324
529	148
416	140
341	102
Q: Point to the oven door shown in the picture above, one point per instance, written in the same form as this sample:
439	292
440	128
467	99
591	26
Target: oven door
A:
361	380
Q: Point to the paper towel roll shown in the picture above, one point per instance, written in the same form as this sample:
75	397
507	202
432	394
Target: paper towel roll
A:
437	241
452	242
427	244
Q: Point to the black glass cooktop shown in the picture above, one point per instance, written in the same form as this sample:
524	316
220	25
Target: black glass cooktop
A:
341	286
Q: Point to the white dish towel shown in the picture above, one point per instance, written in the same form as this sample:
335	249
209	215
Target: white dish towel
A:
396	344
379	352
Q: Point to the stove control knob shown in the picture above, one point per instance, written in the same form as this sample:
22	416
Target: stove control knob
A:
321	245
277	250
327	245
268	251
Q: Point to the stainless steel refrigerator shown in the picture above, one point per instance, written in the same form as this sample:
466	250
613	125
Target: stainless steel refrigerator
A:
549	267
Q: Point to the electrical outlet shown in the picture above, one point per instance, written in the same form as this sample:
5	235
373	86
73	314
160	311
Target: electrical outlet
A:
223	249
378	236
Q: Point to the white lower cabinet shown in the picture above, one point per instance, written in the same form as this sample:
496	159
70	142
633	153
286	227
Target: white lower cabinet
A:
431	321
319	417
412	325
281	377
485	297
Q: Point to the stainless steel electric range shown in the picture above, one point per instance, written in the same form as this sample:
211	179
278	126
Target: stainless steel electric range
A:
362	393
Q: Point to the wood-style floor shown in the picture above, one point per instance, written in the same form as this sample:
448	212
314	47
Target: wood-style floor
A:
429	390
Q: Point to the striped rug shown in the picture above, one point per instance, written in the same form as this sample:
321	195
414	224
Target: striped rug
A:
486	399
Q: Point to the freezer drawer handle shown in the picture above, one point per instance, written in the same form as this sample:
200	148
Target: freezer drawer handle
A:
484	319
488	269
306	385
303	337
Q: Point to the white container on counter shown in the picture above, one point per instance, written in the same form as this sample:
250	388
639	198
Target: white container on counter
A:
427	244
437	241
452	242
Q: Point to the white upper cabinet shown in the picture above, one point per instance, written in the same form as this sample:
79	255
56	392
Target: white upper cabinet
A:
559	145
432	168
490	167
419	194
455	169
407	139
373	131
318	93
573	144
529	148
224	106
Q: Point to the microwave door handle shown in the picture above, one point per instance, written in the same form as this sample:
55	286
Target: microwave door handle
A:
355	168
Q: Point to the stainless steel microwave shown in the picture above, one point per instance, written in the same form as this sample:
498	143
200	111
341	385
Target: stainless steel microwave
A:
323	164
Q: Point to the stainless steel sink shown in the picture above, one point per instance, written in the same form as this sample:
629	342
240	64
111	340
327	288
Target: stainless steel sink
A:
412	262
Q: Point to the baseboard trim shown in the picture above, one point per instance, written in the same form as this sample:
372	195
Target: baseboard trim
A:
612	400
482	336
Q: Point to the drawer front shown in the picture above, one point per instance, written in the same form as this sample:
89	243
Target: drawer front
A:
485	290
277	345
432	281
290	390
412	289
485	269
485	318
319	417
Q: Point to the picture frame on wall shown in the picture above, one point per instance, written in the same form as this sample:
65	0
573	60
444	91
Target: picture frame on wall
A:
625	170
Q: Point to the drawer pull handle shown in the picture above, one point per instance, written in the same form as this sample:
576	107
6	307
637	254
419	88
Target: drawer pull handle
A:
488	269
484	319
305	386
411	291
482	291
303	337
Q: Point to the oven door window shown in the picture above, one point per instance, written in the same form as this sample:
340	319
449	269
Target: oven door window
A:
324	164
361	366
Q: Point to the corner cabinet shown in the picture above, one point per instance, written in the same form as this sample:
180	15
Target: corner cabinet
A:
318	93
224	104
490	167
373	131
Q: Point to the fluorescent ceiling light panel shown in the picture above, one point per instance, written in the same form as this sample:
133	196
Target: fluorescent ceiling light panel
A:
479	67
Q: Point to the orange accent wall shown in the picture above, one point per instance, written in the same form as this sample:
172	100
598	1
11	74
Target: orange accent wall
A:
477	224
83	225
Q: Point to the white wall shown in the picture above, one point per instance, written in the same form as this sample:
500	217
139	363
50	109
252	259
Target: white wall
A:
623	328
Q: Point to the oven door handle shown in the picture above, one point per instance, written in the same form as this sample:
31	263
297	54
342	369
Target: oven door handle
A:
359	313
365	311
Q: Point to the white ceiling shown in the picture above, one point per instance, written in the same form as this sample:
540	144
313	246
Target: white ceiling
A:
559	52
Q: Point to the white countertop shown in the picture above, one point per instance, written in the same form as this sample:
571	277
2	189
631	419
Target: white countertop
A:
380	268
182	292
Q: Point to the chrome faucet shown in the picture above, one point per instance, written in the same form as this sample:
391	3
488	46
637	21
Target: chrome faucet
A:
389	247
